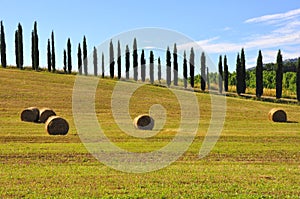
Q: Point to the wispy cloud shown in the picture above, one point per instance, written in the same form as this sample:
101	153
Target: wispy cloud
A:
283	34
273	18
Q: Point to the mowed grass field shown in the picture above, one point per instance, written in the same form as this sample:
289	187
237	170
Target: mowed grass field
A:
253	158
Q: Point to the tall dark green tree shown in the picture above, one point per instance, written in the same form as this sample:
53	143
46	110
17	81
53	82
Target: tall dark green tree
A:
184	70
192	67
151	67
95	61
17	48
69	52
102	65
207	78
65	61
226	74
259	75
243	71
79	59
220	75
279	75
49	56
32	51
35	55
203	69
135	60
3	46
85	60
53	52
119	60
168	67
298	80
239	79
20	45
111	60
127	61
159	70
143	66
175	66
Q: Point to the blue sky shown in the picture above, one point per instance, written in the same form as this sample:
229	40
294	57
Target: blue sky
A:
219	27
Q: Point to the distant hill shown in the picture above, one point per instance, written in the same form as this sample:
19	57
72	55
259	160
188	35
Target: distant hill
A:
289	65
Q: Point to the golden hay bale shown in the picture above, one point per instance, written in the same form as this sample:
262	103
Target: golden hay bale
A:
45	113
30	114
56	125
143	122
277	115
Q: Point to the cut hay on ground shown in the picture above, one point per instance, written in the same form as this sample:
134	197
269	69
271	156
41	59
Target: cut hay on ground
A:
45	113
143	122
56	125
277	115
30	114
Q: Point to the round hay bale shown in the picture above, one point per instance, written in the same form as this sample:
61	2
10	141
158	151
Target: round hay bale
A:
143	122
30	114
277	115
45	113
56	125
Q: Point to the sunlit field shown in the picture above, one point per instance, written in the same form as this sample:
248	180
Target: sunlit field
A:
253	158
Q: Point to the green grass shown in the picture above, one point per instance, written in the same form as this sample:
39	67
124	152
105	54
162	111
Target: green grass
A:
254	158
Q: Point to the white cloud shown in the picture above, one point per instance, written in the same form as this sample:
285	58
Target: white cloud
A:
257	42
284	34
275	17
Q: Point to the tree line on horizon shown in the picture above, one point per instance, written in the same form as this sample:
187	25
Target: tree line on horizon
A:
223	73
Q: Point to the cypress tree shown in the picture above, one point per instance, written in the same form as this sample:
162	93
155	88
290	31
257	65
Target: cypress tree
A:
238	75
95	61
119	60
192	67
32	51
84	52
143	66
225	74
36	47
53	52
111	60
279	75
207	78
69	56
127	61
49	56
102	65
203	76
243	71
159	70
79	58
17	48
20	45
3	46
175	66
259	75
151	67
135	60
65	61
184	70
298	80
168	59
220	75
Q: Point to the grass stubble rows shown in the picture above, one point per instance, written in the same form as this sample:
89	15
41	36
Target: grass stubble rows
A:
253	158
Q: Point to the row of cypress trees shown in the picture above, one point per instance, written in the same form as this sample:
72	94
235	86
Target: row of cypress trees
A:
19	47
82	63
151	65
241	75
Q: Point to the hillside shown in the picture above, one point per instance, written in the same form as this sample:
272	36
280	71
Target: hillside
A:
253	157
